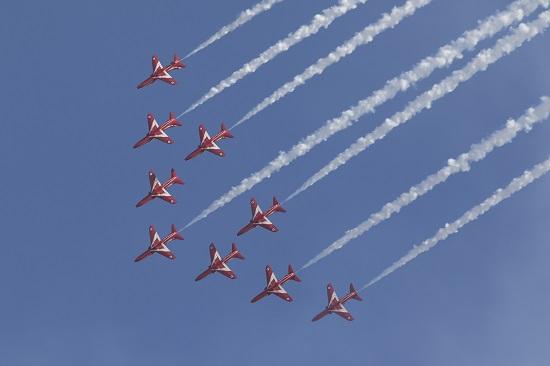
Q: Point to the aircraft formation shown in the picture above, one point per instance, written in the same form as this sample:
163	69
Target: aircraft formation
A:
259	218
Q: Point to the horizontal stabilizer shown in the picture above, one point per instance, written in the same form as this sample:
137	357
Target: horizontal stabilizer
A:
174	175
173	121
295	277
277	205
225	132
354	293
236	251
175	231
177	62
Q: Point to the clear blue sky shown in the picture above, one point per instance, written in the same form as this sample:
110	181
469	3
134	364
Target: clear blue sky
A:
71	294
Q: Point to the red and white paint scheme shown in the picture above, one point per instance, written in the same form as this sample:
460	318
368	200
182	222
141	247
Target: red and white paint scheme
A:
275	286
158	245
219	264
259	218
158	132
336	305
209	143
161	73
160	190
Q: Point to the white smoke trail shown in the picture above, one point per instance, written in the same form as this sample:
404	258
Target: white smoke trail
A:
364	37
444	57
524	32
515	185
321	20
460	164
243	17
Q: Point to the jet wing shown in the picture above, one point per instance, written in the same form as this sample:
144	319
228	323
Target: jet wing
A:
166	78
153	236
152	122
331	295
270	227
166	196
214	255
210	145
157	132
153	181
203	134
270	278
225	270
266	224
163	250
214	149
156	64
281	292
343	312
166	139
254	208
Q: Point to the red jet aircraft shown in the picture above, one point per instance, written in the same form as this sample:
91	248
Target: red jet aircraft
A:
160	190
275	286
219	264
158	245
161	73
156	131
336	305
209	143
259	218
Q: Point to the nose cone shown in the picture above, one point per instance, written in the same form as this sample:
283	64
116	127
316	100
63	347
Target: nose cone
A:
317	317
142	141
203	274
258	297
144	200
142	256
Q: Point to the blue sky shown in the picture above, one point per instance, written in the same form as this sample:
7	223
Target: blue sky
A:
71	293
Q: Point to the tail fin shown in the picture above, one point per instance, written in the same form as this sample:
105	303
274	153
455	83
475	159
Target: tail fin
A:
236	251
225	132
278	206
173	120
354	293
175	231
176	62
178	180
295	277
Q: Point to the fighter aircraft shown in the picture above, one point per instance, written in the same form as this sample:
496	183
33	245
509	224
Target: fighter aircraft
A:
160	190
274	286
259	218
219	264
336	305
161	73
209	143
158	245
156	131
